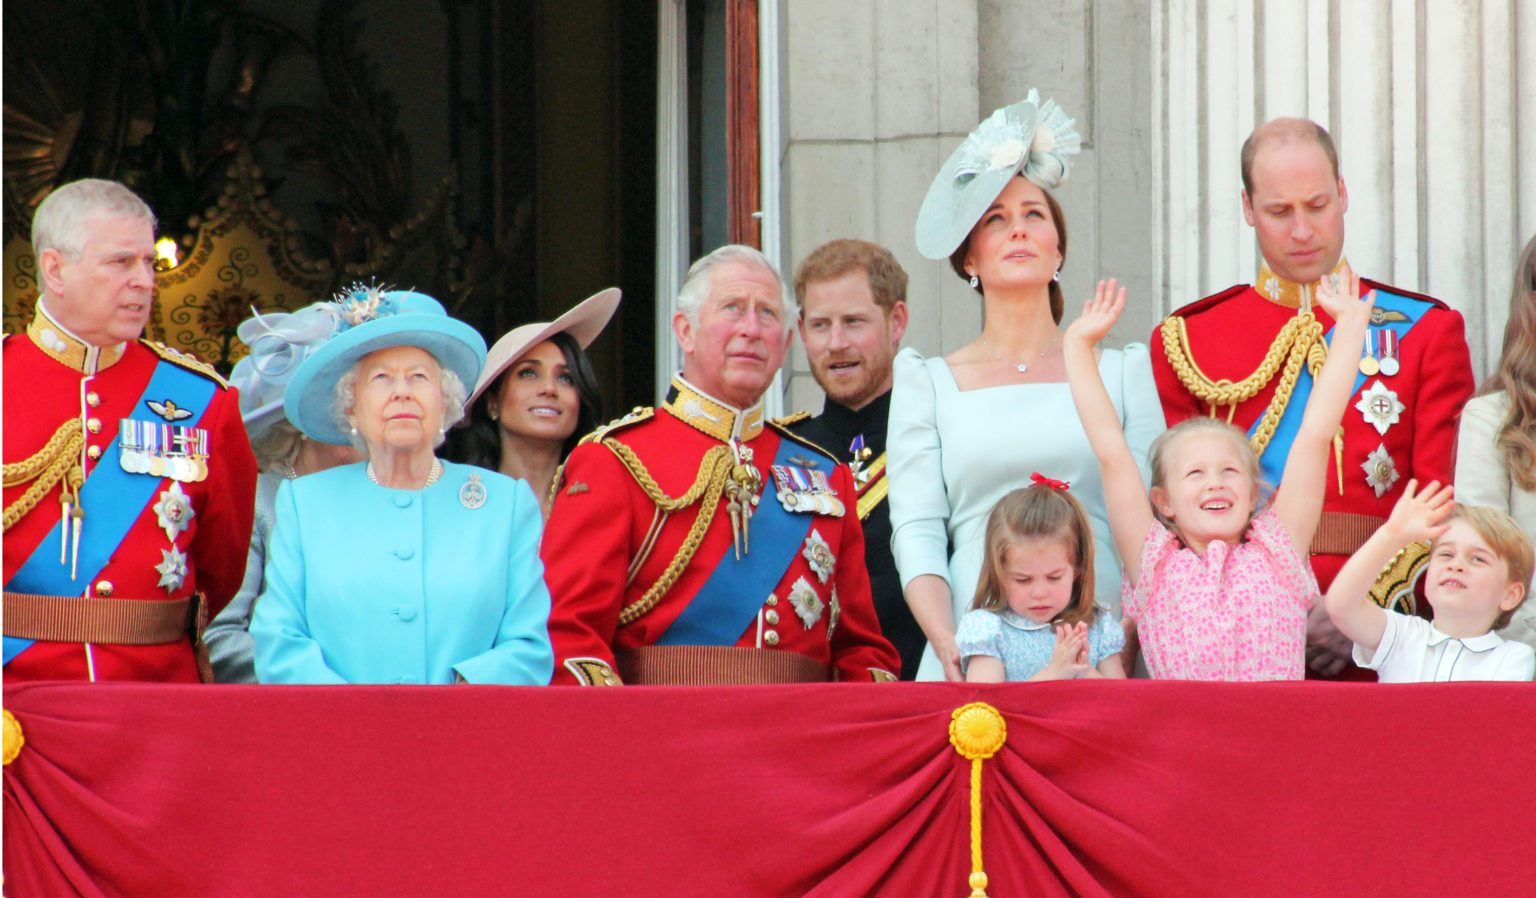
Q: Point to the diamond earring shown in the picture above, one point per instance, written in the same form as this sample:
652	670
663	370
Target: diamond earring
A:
975	281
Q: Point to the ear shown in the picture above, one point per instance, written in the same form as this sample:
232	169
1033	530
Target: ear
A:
1248	206
1514	593
898	322
682	329
1343	195
1159	498
51	266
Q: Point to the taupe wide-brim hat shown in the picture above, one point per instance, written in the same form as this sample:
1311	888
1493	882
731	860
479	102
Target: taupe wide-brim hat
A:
584	323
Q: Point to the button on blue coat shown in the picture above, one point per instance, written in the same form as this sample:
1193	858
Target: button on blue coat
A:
366	584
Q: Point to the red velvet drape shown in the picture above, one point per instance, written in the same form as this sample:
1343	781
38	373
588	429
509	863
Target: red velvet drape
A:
1103	788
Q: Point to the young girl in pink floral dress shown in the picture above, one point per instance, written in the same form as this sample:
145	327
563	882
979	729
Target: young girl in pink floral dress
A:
1219	590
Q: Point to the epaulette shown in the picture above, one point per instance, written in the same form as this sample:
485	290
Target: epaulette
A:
637	414
778	425
1388	288
792	419
187	361
1200	305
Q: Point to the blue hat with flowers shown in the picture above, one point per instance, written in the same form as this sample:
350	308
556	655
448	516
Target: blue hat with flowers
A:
279	343
370	318
1028	138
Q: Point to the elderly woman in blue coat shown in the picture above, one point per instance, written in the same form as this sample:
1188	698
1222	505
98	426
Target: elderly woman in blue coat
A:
403	568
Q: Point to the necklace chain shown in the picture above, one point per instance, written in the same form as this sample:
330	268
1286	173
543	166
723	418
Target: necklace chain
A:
1021	367
436	472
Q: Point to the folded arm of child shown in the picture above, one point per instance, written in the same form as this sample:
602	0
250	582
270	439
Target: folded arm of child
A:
1418	515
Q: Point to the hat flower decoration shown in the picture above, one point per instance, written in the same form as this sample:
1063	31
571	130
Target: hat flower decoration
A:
1029	138
279	342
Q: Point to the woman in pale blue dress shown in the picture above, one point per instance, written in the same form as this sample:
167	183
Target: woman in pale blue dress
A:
968	428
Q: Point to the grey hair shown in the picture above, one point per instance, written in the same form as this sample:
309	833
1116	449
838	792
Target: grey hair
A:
698	282
59	223
454	397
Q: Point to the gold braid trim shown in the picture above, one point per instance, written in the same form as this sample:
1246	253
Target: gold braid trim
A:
59	459
714	474
1300	341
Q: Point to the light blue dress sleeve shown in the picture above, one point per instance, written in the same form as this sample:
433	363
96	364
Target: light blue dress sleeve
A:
1143	410
918	499
980	633
285	651
1105	637
521	654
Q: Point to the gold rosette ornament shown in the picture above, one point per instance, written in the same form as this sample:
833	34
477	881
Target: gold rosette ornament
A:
13	738
977	731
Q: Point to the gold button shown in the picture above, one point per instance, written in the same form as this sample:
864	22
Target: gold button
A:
92	400
771	617
772	601
93	453
93	425
104	588
771	637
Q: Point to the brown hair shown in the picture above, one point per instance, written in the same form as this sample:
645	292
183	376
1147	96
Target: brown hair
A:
1158	463
1286	130
1516	375
1030	512
1509	541
832	260
1058	303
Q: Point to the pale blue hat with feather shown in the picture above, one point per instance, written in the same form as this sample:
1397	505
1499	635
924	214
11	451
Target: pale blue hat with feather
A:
1029	138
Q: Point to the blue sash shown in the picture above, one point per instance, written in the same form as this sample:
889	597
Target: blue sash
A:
728	601
115	498
1272	462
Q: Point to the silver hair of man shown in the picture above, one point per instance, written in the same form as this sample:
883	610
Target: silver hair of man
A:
697	284
59	223
454	396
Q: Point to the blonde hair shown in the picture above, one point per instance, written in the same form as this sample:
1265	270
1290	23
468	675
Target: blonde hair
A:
1516	375
1157	459
1034	512
1508	540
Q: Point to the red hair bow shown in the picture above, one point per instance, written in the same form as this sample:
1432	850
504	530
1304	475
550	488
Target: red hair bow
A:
1051	482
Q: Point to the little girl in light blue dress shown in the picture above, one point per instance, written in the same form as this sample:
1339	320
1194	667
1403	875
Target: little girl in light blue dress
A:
1034	617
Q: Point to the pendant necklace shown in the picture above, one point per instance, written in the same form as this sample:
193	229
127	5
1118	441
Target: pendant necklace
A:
1021	366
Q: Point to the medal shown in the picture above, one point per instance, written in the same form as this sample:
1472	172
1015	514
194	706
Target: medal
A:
1389	362
1368	364
819	556
1380	407
1380	470
174	511
805	601
173	569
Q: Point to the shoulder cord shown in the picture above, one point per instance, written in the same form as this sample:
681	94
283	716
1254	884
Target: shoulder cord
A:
57	460
1299	341
714	473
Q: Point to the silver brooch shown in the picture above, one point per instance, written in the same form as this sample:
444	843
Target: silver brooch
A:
1380	470
807	604
1380	406
472	493
819	556
174	511
173	569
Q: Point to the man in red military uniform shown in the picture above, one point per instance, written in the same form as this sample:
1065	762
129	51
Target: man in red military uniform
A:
1244	354
129	480
698	543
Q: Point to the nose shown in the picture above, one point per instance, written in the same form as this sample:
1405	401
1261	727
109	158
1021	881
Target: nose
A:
144	275
839	338
750	326
399	388
1301	228
547	386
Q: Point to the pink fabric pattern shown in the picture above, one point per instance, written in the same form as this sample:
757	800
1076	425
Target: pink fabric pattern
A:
1237	614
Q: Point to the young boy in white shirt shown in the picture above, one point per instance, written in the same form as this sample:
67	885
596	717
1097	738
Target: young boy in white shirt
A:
1479	566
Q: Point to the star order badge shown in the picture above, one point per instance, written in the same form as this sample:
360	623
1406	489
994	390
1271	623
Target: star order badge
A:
1380	406
819	556
173	569
174	511
1380	470
807	604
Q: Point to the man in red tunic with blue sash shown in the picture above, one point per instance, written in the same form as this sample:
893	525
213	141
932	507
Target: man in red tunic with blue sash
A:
1247	354
697	542
129	480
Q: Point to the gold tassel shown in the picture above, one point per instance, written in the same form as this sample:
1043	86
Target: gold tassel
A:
977	731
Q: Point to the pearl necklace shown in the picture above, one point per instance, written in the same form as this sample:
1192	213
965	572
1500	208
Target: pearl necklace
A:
1021	366
436	472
